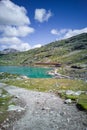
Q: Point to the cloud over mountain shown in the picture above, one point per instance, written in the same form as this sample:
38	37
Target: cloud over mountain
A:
67	33
14	42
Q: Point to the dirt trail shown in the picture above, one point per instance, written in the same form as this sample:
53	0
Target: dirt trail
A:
45	111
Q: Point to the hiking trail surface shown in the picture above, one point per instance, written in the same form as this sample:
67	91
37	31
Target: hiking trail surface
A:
46	111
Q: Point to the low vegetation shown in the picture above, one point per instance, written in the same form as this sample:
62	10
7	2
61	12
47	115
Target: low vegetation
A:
5	101
82	102
45	85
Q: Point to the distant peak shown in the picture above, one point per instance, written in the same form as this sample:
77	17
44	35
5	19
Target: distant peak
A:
9	50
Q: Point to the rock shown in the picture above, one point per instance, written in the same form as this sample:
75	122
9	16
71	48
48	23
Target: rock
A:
77	93
24	77
7	119
76	67
68	119
15	108
43	109
68	101
69	92
18	78
85	92
62	113
47	108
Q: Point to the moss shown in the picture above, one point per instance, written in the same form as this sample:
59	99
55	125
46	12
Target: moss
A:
72	97
82	102
5	98
65	96
62	95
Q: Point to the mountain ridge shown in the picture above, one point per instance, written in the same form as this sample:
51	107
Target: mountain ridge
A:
9	50
67	51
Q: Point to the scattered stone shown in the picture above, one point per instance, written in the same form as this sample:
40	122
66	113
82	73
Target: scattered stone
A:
85	92
15	108
43	109
18	78
76	67
69	92
77	93
68	120
61	116
68	101
47	108
37	102
7	119
62	113
4	96
24	77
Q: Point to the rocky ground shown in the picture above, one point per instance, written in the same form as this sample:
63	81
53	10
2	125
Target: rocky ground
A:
45	111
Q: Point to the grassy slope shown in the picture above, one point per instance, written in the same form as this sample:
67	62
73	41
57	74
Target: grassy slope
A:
69	51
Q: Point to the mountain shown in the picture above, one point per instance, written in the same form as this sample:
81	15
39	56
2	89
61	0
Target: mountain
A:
67	52
9	50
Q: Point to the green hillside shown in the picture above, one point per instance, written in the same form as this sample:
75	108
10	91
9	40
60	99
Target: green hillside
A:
69	51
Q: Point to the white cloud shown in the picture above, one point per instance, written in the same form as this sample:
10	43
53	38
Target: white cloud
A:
42	15
37	46
14	23
20	31
12	14
67	33
15	43
74	32
21	46
63	31
12	40
54	32
58	32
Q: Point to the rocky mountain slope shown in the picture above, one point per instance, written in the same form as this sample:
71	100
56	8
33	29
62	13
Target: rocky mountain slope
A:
9	50
69	51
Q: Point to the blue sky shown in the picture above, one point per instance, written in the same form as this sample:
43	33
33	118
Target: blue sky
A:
26	24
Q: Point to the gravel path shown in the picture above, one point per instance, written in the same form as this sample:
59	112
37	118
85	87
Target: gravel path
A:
45	111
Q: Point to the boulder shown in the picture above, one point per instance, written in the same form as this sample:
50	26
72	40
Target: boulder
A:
69	92
24	77
68	101
77	93
15	108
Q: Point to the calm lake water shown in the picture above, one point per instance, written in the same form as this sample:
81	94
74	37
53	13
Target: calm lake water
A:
32	72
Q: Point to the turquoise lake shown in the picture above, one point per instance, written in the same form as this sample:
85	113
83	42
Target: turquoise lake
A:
32	72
